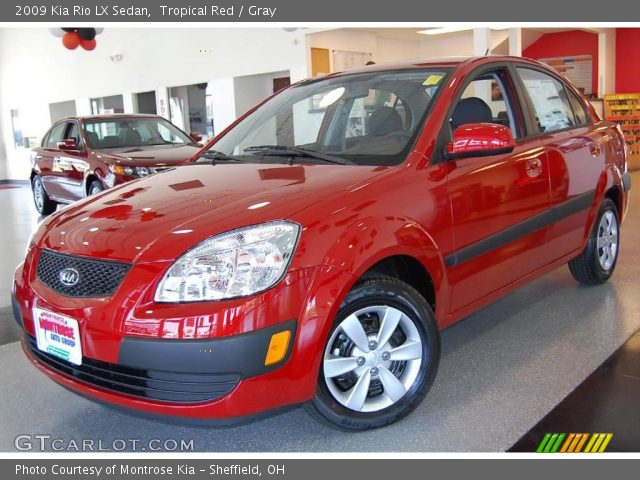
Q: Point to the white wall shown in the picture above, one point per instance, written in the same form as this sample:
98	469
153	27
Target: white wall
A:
35	69
251	89
386	48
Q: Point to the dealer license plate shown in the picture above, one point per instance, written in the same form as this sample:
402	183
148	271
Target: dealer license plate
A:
58	335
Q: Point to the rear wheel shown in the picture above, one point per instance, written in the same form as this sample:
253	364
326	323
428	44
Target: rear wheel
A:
44	205
596	263
380	359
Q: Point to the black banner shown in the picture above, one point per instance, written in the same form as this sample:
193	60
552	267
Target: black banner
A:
314	469
66	11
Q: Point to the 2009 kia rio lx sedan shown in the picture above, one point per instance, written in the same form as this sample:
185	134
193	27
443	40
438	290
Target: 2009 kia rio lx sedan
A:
312	252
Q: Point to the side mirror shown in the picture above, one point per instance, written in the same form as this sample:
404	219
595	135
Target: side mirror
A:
480	140
196	136
68	144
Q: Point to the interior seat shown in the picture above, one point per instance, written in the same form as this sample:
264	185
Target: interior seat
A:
93	139
383	121
471	110
128	136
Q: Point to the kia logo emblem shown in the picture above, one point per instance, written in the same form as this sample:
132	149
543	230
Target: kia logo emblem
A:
69	277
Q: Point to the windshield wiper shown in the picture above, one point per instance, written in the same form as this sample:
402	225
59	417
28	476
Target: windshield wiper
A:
285	150
214	156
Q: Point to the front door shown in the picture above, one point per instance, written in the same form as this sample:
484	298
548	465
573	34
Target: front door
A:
495	199
71	165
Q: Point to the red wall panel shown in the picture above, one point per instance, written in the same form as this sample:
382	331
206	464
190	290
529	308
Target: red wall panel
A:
569	43
628	60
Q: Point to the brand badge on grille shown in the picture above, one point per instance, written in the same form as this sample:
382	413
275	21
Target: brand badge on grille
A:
69	277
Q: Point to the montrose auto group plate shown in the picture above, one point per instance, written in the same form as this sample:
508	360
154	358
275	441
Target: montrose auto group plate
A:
58	335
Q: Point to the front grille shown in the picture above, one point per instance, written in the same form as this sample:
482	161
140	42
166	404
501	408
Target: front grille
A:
97	278
152	384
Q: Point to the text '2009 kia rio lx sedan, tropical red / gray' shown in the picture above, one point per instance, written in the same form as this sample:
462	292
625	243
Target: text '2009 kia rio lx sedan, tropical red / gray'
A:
313	251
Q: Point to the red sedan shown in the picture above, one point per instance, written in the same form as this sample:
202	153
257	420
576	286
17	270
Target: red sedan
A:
82	156
316	248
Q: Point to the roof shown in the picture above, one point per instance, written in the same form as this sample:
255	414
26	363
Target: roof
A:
429	62
106	116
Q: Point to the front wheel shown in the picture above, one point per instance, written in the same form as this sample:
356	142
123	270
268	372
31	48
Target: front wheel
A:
44	205
380	359
95	187
596	263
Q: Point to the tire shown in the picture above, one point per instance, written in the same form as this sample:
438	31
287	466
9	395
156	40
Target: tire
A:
95	187
338	402
596	263
44	205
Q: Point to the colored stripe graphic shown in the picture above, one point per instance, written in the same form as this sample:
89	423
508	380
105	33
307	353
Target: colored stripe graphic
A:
574	442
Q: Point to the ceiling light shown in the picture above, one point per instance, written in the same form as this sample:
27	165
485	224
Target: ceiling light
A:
441	30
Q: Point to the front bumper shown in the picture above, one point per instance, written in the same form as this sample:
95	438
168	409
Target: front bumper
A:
173	370
217	378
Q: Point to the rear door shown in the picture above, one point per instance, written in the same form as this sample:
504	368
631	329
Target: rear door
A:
575	154
495	200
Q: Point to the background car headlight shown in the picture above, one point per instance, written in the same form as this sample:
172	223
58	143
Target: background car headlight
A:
131	171
233	264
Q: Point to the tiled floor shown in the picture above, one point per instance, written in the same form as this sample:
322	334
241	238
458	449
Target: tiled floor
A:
503	369
606	402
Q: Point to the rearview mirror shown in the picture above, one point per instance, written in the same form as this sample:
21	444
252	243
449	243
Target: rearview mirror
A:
196	136
480	140
68	144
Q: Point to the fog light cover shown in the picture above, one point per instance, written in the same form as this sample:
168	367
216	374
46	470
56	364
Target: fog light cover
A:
277	347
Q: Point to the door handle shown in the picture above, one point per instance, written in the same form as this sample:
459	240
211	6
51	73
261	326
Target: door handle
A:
533	167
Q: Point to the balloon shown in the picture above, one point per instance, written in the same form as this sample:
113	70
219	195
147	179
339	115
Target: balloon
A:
72	29
71	40
56	32
87	33
88	44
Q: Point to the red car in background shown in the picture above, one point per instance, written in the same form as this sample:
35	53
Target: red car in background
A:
316	248
81	156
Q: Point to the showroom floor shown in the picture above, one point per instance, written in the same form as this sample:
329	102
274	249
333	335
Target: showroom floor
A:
503	369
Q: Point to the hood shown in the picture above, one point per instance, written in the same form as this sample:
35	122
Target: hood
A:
150	156
159	217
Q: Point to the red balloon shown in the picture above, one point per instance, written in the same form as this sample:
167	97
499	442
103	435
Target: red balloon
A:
88	44
71	40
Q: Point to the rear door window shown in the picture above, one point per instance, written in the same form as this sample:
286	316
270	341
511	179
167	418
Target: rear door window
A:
551	104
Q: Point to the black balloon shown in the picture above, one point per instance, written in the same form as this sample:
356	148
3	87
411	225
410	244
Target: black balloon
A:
87	33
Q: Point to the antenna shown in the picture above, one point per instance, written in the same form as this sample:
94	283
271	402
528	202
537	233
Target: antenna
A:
486	53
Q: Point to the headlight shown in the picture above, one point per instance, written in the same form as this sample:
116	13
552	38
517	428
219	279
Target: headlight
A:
234	264
131	171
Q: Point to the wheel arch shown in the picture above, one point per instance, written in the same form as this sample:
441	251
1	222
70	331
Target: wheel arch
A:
398	247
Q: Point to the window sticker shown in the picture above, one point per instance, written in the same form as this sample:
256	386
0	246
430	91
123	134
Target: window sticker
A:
432	80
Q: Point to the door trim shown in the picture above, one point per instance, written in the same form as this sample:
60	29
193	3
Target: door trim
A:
521	229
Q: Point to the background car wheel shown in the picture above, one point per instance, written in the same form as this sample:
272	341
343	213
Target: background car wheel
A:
380	359
44	204
598	260
95	187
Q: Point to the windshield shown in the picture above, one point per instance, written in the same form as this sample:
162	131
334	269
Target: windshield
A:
133	132
365	119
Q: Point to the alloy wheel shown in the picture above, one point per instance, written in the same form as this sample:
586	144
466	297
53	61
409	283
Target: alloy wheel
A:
373	358
38	193
607	241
